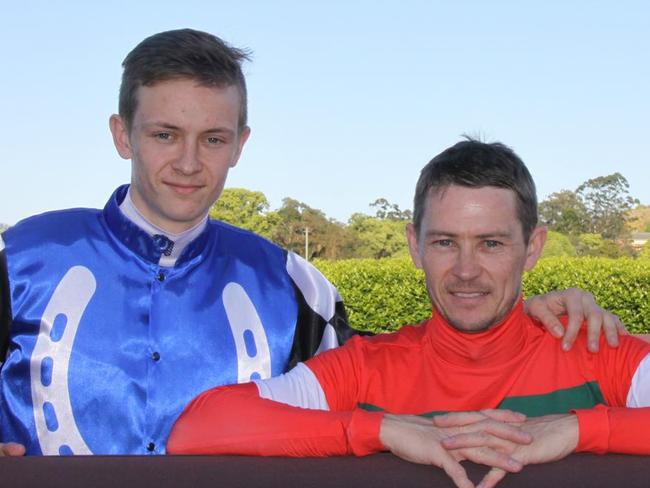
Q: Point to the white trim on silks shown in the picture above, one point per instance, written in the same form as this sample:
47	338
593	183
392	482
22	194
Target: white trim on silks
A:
320	294
298	388
2	244
328	341
243	317
639	394
68	303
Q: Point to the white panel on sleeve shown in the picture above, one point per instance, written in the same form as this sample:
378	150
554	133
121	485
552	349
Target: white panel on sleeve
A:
320	294
298	388
2	244
329	340
639	394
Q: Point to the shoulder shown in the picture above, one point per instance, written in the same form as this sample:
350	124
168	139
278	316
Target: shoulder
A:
236	240
52	226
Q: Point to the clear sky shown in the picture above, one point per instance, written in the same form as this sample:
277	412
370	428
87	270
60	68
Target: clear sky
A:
348	99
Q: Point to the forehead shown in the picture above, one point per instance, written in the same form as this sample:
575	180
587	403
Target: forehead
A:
475	211
178	99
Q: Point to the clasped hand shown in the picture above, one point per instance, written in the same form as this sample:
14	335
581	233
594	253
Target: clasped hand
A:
501	439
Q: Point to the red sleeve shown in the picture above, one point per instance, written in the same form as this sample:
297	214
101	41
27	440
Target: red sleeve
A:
615	367
235	420
340	373
614	429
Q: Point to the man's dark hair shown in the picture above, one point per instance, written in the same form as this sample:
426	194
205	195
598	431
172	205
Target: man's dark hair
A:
183	53
476	164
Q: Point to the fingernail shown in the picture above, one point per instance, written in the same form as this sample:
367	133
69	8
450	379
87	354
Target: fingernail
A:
565	346
514	464
593	346
558	331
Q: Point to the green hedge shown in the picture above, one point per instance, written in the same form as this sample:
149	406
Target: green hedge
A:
381	295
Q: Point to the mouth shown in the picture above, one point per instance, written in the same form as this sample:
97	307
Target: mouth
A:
468	294
182	188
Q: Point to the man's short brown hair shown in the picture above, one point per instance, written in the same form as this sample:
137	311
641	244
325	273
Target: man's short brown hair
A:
183	53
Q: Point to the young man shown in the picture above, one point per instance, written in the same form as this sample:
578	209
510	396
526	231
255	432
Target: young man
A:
116	318
474	234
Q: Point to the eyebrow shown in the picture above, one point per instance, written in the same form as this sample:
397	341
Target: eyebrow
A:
165	125
487	235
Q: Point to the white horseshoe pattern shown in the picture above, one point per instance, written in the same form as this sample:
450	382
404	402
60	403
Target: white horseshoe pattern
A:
243	318
69	300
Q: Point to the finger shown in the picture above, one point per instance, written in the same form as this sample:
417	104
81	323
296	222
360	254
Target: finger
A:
490	457
504	415
540	309
455	471
612	326
620	327
504	441
12	449
460	419
457	419
492	478
595	322
574	301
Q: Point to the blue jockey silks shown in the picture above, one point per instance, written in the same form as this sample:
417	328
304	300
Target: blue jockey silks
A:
107	347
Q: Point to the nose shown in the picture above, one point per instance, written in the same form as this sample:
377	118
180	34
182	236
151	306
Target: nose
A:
187	162
467	266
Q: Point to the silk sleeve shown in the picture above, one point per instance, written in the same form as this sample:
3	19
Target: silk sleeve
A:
322	322
615	430
5	305
235	420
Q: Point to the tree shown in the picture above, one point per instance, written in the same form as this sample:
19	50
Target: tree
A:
390	211
596	245
608	202
558	245
3	227
378	238
639	219
247	209
564	212
328	238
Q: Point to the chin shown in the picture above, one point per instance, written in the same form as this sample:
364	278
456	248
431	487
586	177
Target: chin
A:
471	326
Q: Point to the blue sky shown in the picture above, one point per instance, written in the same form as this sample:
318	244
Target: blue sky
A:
348	100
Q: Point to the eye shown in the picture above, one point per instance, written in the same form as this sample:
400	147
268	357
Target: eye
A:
443	243
492	244
214	140
163	136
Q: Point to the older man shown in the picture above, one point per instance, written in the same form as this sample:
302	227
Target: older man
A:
474	233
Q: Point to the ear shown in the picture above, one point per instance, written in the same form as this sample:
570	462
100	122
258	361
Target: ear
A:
243	137
120	136
414	249
534	248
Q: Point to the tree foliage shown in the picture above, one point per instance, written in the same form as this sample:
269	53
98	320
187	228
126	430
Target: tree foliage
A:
639	219
598	206
301	229
558	245
608	202
390	211
247	209
564	212
597	217
378	237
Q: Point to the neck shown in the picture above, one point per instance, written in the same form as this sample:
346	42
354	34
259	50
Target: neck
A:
492	347
180	239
